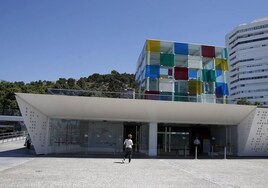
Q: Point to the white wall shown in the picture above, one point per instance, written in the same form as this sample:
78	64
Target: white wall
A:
36	124
153	139
253	134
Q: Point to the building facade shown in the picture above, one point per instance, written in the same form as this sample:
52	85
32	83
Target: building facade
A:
192	75
176	71
60	124
247	47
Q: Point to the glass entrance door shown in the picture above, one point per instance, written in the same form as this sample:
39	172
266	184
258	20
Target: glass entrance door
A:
134	129
173	142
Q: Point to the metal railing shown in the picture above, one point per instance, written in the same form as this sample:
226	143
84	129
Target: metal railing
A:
163	96
12	136
9	112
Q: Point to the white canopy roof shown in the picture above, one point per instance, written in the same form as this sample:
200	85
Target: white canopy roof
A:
113	109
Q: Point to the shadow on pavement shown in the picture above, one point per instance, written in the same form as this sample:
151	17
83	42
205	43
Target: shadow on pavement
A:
20	152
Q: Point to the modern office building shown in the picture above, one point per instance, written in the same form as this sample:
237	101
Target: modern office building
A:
247	47
182	91
182	72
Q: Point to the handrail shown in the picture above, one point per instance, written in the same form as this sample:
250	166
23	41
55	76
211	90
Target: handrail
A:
12	136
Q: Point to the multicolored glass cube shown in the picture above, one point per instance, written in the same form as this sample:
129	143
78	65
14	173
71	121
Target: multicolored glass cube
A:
182	72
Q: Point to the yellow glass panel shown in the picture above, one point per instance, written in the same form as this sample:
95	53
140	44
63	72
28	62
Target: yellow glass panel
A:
199	87
195	87
153	46
221	64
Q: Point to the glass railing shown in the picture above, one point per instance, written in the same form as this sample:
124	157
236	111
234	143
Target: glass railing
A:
10	112
132	95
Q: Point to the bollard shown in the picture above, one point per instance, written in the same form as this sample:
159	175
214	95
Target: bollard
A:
212	154
195	152
224	152
184	150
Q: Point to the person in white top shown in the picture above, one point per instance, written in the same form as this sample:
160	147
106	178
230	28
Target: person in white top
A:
128	146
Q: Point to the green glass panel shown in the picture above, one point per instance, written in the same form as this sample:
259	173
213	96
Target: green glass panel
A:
225	53
167	60
209	75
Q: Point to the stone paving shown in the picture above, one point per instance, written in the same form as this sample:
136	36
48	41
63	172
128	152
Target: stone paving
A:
32	171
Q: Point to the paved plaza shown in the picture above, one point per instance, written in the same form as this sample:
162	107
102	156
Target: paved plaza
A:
20	168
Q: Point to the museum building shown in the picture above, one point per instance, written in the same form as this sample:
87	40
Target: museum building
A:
182	95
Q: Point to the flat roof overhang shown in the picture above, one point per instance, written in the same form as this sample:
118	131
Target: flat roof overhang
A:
115	109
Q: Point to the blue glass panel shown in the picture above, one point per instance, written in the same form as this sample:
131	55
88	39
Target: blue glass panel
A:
152	71
219	76
192	74
181	48
219	73
221	89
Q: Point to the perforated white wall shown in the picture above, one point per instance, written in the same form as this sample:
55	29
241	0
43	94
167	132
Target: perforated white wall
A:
257	142
36	124
253	134
243	130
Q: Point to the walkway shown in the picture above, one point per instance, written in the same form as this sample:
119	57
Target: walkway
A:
30	171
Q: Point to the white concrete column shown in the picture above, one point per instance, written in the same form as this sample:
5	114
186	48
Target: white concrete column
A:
153	139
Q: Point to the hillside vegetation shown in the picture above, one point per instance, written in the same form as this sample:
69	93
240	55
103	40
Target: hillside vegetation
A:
113	82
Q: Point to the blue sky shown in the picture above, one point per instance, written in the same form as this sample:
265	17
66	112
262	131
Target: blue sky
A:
51	39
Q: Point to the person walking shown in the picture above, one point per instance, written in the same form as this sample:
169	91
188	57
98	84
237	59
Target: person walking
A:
128	148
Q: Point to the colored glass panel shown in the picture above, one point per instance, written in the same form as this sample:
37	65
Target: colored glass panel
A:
170	72
195	87
208	51
181	73
225	53
153	46
192	73
166	96
219	76
221	89
209	75
181	48
167	60
181	97
152	95
221	64
152	71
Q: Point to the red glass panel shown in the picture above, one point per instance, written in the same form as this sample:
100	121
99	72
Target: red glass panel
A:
208	51
181	73
152	95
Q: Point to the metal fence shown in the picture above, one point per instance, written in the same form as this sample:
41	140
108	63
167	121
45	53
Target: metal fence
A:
12	136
